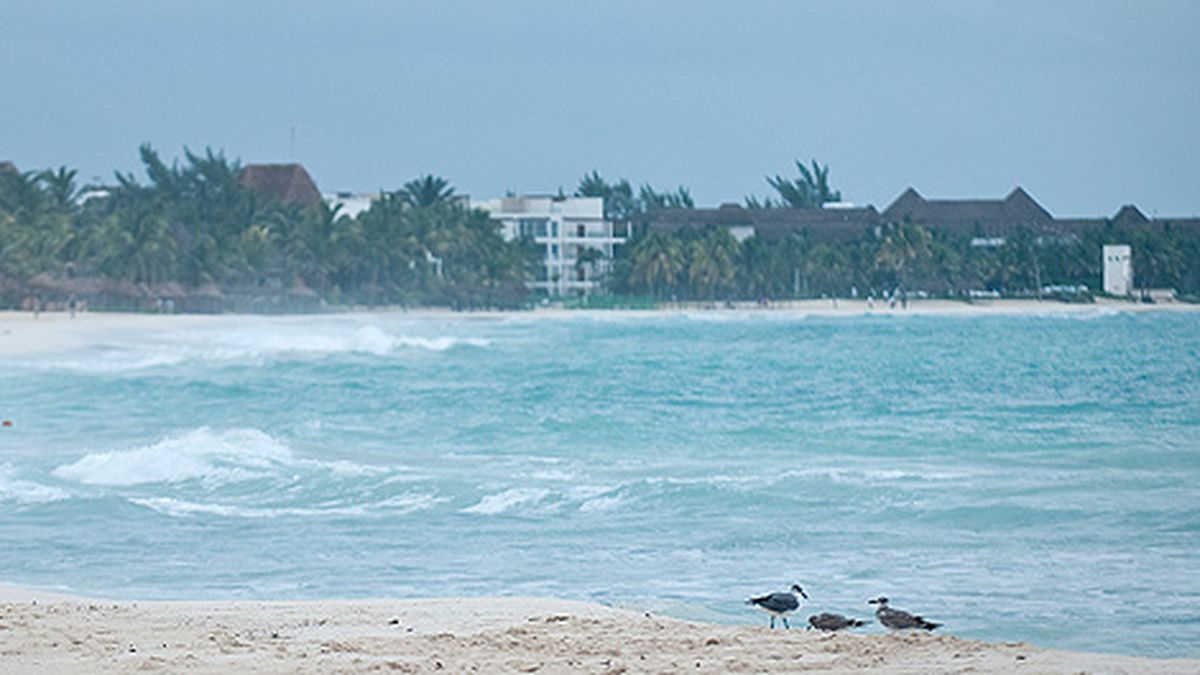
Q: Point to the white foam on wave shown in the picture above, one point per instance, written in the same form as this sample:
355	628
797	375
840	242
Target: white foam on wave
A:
508	500
552	475
369	339
602	503
251	343
398	505
1088	314
530	500
24	491
118	361
201	454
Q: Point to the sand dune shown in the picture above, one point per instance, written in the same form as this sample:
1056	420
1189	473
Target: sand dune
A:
50	633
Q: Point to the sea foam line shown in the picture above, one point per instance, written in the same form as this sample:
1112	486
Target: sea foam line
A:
397	505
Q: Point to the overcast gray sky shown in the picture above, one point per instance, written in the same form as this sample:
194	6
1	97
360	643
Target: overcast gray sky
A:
1088	105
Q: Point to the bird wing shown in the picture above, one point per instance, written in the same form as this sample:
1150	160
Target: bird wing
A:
777	602
898	618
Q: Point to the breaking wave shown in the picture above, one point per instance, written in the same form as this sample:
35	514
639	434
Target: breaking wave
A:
201	454
253	344
24	491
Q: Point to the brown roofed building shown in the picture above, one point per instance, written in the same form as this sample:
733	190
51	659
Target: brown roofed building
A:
837	223
288	183
992	220
992	216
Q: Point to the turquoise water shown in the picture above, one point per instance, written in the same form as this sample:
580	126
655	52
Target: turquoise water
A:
1017	478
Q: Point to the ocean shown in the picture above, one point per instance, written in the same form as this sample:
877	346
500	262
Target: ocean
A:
1013	477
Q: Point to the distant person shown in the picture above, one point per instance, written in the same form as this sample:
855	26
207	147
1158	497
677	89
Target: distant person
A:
903	298
870	301
71	303
854	292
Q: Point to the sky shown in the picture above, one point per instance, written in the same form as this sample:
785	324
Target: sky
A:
1088	105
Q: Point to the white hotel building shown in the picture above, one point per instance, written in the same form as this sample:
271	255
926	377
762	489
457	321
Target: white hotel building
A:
563	227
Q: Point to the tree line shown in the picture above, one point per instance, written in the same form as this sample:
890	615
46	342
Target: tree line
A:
710	264
193	226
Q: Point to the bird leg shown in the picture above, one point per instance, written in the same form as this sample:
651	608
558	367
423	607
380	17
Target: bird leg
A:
785	623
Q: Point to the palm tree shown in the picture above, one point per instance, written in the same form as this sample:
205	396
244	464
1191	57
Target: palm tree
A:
619	202
712	264
658	262
649	198
60	187
811	190
427	191
134	244
902	245
586	261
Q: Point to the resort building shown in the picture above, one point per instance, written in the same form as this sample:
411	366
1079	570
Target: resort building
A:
836	223
989	222
578	243
350	203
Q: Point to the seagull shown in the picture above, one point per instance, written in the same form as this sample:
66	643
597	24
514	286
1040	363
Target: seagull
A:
897	619
833	622
779	604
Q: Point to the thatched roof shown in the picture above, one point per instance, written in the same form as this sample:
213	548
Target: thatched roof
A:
1130	215
86	286
1018	208
208	290
288	183
167	289
301	290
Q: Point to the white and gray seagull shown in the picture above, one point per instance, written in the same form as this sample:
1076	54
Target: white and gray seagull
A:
780	604
897	619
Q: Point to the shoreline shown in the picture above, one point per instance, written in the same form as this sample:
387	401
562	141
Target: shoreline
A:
45	631
22	334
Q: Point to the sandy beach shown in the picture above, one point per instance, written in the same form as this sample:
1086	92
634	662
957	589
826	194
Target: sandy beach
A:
43	632
21	333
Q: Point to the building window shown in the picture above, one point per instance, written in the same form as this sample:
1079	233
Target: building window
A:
581	230
532	227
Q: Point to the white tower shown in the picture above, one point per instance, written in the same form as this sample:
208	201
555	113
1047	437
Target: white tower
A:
1118	270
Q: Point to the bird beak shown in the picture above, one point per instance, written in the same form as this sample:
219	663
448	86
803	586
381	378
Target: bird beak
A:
804	595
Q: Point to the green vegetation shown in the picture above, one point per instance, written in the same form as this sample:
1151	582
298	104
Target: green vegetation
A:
192	232
620	204
193	226
811	190
694	264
